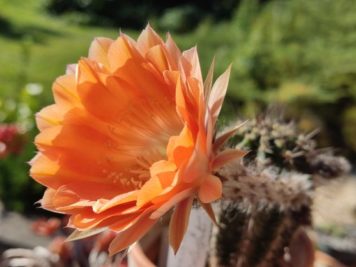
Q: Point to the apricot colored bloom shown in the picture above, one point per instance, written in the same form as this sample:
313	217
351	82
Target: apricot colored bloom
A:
131	136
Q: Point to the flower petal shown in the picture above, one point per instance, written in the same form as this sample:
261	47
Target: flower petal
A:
220	141
192	57
147	39
98	50
49	116
209	80
209	210
158	58
118	54
71	69
180	147
217	95
210	190
149	191
90	89
197	164
173	52
165	171
129	236
64	91
76	234
63	200
179	223
169	202
103	204
226	156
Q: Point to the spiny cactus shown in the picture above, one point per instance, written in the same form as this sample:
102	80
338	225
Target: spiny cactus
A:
267	189
272	141
259	215
268	195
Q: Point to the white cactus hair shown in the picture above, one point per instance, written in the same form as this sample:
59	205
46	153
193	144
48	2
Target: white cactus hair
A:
266	188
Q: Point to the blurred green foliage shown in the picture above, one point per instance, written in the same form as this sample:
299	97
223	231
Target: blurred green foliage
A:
349	127
298	53
16	190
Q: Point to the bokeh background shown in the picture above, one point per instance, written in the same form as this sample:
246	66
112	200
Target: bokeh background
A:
298	54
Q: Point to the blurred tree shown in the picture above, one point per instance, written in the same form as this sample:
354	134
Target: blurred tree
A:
183	15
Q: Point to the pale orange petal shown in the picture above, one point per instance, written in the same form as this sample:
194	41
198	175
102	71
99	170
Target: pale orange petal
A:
71	69
46	137
165	171
68	201
117	218
173	52
209	80
49	116
132	46
47	199
197	164
226	156
179	223
95	146
171	77
118	54
169	201
192	57
217	94
149	190
129	236
77	235
209	210
49	171
180	147
62	197
104	204
181	104
53	172
147	39
157	56
122	223
81	221
195	96
221	140
210	189
64	91
42	167
90	90
98	50
148	85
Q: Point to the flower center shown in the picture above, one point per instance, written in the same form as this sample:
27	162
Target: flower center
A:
142	135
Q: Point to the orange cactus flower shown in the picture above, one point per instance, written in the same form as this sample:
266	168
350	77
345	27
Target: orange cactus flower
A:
131	136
